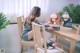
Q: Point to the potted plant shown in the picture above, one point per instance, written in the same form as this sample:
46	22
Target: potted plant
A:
3	21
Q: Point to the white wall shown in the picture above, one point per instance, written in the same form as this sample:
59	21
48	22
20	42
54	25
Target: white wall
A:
54	6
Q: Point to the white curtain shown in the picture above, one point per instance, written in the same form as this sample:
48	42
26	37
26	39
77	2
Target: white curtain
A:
14	8
21	7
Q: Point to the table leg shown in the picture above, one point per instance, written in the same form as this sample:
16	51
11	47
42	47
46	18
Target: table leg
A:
72	46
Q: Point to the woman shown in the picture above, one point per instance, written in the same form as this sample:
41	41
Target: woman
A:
66	20
27	32
54	21
54	24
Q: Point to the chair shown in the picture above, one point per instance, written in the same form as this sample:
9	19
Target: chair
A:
40	39
20	28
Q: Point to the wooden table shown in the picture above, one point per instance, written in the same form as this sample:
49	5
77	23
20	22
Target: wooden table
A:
67	33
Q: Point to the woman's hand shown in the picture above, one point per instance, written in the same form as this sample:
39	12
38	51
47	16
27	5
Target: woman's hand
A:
49	21
50	28
51	25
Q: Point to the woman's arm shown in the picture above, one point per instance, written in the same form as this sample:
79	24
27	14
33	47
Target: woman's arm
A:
54	25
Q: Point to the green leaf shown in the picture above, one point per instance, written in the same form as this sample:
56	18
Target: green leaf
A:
3	21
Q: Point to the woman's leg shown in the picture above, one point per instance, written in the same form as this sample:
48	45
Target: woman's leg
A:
27	36
30	35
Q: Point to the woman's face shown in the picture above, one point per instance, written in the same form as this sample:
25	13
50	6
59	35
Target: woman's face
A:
65	17
53	19
53	16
